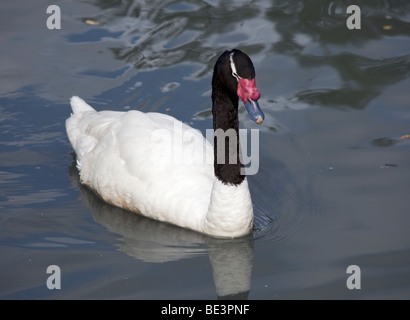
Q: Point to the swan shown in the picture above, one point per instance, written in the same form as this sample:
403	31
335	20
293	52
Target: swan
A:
157	166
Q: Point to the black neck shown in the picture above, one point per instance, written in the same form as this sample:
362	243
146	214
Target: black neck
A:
225	117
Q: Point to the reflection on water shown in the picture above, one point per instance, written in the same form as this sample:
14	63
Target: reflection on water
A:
152	241
159	34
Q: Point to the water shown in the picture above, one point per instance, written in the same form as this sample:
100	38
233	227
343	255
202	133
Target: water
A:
333	180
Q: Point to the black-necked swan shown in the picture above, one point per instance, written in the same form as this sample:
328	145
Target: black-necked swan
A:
157	166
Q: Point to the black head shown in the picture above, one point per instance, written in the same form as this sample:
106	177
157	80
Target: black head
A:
243	64
233	78
234	71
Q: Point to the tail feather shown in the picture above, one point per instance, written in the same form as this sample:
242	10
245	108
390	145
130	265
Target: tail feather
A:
79	105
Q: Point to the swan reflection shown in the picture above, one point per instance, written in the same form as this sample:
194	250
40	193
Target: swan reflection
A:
152	241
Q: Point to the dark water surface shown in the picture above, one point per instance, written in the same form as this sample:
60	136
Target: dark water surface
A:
334	168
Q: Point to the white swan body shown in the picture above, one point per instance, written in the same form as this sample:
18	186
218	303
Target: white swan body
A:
155	165
120	155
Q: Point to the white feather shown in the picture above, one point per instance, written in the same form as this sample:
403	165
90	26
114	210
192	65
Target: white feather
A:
155	165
